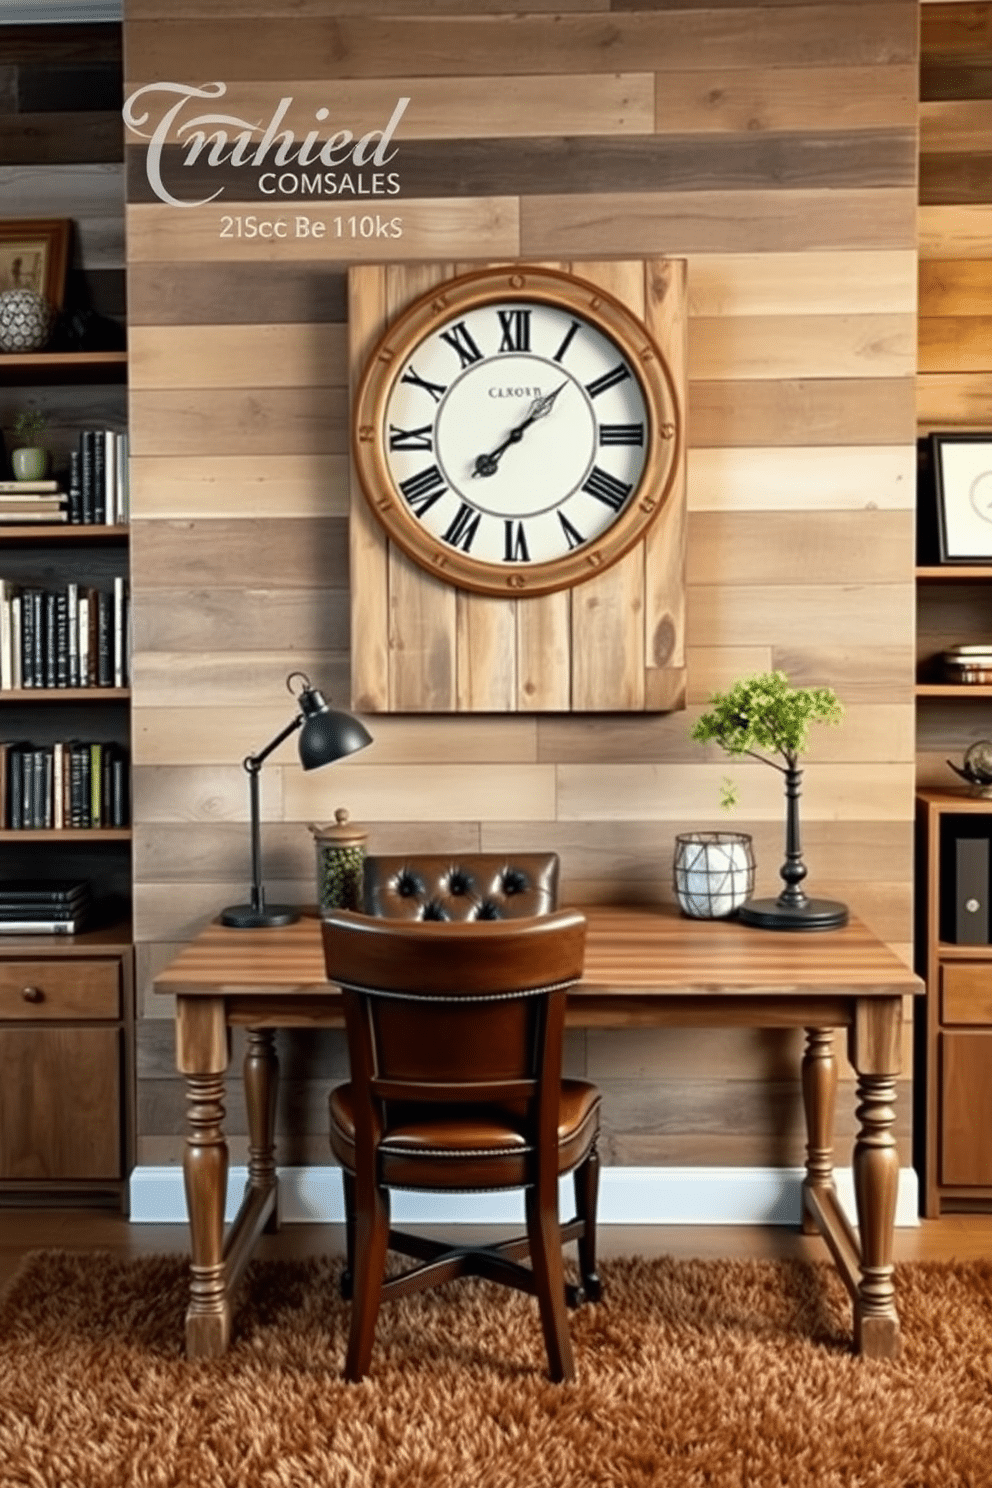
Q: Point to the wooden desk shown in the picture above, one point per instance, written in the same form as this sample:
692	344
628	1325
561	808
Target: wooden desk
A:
644	967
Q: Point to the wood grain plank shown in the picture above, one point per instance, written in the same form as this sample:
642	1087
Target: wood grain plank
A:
957	29
665	299
962	125
760	548
608	638
786	346
831	477
543	646
157	10
793	614
224	486
230	294
561	162
247	554
368	555
955	231
423	656
716	222
954	400
397	793
831	283
205	679
886	675
955	343
955	287
240	620
62	138
231	356
452	108
175	735
802	412
505	46
239	421
876	791
734	101
426	229
485	653
951	179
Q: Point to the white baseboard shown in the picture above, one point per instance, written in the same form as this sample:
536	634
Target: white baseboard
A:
633	1196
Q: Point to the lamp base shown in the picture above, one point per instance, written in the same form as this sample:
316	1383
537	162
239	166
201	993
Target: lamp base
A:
247	917
812	914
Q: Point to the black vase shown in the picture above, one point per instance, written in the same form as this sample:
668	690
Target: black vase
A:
793	910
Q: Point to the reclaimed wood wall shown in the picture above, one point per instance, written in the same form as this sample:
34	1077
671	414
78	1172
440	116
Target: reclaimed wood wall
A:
955	321
773	145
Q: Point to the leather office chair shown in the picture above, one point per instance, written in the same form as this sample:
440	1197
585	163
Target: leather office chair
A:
454	1038
466	886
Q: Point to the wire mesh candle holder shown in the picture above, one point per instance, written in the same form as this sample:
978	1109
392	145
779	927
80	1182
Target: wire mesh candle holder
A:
713	873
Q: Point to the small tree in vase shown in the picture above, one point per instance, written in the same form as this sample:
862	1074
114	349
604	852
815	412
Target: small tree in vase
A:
765	716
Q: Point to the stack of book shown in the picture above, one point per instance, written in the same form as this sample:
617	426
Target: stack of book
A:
24	502
69	784
36	907
71	637
98	479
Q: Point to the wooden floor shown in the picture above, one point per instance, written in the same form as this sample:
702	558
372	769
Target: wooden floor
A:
955	1237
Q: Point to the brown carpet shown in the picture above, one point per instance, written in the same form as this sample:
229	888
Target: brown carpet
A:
729	1373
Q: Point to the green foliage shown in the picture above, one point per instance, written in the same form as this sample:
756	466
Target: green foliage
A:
729	794
766	713
28	425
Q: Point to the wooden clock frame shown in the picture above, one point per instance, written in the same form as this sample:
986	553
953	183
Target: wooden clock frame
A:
613	641
525	284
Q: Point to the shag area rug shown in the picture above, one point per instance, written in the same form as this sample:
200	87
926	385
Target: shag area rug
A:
729	1373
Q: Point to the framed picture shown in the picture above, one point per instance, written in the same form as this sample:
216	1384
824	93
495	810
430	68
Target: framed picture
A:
962	465
34	254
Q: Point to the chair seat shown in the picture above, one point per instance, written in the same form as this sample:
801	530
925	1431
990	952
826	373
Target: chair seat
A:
466	1146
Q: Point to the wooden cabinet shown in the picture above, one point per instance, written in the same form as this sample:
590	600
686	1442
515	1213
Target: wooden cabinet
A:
953	1125
67	1001
66	1032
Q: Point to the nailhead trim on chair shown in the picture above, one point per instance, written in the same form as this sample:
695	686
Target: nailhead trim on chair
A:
459	996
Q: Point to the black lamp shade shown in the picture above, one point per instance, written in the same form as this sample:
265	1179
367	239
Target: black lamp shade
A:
327	735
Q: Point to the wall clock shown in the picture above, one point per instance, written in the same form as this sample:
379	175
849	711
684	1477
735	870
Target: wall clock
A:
516	430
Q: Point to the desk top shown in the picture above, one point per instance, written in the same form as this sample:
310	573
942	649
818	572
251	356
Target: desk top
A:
629	951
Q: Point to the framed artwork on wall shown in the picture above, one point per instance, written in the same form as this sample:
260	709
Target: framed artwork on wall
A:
34	254
962	465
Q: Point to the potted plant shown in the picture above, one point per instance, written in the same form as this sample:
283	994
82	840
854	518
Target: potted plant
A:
29	459
765	716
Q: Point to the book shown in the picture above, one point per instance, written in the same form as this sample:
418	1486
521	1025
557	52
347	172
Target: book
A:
75	488
20	487
54	891
120	635
99	477
87	475
40	926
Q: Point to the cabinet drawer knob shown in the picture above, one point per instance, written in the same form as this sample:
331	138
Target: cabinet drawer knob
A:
32	994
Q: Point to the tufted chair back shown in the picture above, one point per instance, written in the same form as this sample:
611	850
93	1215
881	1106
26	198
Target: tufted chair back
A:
466	886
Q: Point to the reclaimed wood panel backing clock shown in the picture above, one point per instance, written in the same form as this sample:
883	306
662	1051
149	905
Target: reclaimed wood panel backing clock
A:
518	496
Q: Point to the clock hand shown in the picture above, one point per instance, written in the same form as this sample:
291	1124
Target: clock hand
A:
488	464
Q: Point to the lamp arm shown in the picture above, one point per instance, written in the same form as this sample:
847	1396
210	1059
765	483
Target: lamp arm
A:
253	764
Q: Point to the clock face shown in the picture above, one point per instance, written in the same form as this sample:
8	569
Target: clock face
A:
515	431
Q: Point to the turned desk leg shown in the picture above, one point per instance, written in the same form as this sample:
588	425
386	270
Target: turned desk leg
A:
202	1053
261	1077
819	1081
875	1054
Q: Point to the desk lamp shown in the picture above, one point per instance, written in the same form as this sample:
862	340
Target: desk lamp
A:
325	736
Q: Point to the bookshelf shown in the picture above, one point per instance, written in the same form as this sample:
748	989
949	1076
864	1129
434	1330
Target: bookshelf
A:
67	1000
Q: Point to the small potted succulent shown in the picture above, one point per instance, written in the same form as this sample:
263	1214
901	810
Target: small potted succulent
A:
29	458
764	716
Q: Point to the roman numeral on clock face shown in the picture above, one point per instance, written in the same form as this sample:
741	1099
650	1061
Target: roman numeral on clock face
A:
412	439
460	340
619	373
514	542
606	488
566	343
464	526
515	325
423	489
573	537
621	433
437	390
